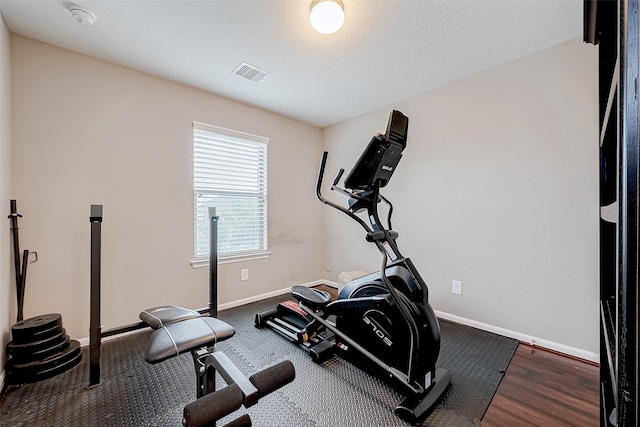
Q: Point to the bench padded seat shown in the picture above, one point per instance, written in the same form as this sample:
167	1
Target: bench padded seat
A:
158	317
182	336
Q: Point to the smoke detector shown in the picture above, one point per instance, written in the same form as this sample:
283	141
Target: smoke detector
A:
82	15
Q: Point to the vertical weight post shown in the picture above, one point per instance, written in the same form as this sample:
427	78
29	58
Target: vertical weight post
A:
94	327
16	254
213	262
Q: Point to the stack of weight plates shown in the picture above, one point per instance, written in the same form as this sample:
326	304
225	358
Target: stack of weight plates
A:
40	349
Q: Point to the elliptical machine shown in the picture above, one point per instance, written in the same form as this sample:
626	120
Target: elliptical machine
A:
382	320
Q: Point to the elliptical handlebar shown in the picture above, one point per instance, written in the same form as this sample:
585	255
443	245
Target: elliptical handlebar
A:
323	163
335	181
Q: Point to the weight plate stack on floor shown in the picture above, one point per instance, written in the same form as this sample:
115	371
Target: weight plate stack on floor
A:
40	349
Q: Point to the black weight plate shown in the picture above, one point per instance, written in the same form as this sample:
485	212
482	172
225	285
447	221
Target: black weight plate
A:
56	347
17	378
21	350
46	368
46	363
36	328
38	336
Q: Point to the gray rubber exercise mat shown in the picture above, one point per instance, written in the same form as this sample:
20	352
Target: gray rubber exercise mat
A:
134	393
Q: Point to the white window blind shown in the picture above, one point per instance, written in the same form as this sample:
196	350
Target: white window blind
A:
230	173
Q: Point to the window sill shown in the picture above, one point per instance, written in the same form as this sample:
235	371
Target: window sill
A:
204	262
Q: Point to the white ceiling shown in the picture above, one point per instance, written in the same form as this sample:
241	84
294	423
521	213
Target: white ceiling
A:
387	51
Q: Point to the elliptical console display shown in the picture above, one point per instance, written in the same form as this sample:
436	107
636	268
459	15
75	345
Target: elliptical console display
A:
379	160
382	321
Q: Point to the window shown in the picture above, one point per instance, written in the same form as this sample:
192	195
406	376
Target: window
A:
230	173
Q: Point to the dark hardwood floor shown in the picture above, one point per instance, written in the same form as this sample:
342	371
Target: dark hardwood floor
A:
542	388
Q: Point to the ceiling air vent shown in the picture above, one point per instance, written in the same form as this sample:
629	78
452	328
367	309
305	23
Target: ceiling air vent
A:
250	72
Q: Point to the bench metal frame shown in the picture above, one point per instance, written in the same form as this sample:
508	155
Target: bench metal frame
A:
96	332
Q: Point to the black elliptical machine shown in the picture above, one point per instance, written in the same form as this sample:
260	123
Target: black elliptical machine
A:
382	320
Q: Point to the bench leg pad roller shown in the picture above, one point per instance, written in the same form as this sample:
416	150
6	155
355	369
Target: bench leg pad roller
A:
210	408
273	377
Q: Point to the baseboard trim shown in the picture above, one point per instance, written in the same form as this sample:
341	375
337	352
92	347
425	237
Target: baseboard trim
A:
528	339
84	342
283	291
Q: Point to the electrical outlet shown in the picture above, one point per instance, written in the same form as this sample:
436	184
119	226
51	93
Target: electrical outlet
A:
456	287
244	274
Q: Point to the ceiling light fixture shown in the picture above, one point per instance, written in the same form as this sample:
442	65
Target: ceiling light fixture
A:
83	15
327	16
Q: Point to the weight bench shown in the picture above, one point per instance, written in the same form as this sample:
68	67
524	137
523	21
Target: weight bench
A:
179	330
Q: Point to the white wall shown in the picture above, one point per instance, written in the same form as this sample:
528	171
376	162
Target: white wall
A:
7	278
89	132
498	188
